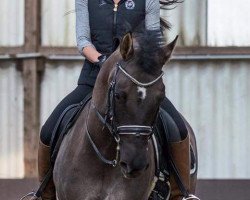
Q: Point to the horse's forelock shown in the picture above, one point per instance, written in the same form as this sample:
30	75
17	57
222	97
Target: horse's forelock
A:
148	51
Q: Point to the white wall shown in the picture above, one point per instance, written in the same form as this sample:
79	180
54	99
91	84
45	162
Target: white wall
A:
11	22
59	79
189	21
214	97
228	23
58	23
11	122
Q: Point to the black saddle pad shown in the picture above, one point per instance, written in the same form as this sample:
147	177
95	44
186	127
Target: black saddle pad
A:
167	131
64	123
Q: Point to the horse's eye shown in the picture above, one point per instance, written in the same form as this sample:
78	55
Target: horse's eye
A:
120	96
117	96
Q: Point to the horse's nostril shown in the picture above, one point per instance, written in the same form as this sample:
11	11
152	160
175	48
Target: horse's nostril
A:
147	167
123	165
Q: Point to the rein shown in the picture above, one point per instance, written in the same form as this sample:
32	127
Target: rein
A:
110	162
109	120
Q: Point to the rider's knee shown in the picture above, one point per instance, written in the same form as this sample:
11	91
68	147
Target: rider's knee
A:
45	135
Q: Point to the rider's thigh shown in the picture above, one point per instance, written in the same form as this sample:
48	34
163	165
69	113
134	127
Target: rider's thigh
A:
76	96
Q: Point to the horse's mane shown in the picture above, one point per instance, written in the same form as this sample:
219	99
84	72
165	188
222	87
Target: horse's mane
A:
150	42
150	48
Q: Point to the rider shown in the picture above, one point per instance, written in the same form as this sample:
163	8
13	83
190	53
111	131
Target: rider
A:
99	23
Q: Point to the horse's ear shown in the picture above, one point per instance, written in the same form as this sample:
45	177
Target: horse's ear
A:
126	47
168	49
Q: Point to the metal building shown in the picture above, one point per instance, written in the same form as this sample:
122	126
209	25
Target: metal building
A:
208	79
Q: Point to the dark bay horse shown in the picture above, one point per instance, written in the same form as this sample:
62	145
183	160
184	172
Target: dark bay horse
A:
108	154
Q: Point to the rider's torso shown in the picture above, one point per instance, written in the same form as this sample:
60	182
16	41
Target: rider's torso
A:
109	20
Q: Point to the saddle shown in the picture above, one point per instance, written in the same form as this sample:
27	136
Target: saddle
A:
164	124
63	125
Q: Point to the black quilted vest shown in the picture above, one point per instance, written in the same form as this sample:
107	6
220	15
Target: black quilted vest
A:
107	24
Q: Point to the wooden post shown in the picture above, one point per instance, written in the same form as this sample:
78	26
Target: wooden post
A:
31	87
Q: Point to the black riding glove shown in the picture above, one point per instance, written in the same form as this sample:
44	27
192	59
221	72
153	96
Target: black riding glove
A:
101	60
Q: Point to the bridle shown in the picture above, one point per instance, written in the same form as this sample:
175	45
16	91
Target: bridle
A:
109	120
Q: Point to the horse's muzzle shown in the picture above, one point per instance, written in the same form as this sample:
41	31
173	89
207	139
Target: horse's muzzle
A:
130	171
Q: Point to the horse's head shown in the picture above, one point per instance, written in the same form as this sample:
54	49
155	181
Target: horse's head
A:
133	78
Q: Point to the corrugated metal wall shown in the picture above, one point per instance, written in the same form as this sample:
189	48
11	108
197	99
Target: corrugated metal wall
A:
59	79
11	121
58	23
12	22
213	96
227	23
189	21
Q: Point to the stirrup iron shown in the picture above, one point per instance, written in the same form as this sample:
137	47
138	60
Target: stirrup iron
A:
190	197
31	194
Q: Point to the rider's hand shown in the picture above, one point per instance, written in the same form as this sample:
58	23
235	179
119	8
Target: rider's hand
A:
101	60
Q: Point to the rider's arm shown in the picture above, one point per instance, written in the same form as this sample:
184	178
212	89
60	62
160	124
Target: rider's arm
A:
152	18
84	44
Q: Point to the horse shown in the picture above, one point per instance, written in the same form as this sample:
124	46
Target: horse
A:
108	154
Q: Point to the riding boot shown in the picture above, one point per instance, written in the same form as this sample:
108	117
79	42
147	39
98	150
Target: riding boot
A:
43	167
180	152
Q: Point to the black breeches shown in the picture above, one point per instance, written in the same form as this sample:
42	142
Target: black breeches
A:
182	131
76	96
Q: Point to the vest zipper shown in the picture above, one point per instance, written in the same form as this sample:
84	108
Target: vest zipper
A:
115	7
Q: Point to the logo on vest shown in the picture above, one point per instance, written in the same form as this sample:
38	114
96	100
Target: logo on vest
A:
130	4
102	2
